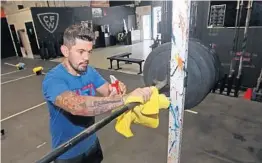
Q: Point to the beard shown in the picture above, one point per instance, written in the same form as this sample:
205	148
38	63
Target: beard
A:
79	69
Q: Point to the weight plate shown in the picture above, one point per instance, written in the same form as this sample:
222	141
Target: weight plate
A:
207	59
195	52
201	70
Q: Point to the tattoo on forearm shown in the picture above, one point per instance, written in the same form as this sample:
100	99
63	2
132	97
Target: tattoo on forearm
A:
87	105
101	105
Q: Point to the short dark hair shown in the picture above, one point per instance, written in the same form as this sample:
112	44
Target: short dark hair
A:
77	31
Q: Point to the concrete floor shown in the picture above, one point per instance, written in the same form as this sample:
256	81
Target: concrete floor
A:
225	130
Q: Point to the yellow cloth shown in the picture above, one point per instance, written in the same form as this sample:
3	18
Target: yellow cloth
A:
145	114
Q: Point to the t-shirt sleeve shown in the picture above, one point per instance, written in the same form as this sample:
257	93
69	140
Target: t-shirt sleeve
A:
52	87
98	80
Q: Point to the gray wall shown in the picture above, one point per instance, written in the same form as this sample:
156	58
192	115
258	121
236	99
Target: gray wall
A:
223	38
114	17
69	15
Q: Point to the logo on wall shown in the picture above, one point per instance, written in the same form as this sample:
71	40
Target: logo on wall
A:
49	20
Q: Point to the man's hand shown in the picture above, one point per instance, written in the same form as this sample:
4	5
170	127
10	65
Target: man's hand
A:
122	88
145	93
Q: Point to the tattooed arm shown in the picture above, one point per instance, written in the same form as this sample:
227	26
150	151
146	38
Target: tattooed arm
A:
56	91
92	106
87	105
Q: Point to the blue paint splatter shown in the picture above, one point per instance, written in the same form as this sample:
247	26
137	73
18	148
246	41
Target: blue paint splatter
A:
173	73
173	39
175	114
174	142
172	145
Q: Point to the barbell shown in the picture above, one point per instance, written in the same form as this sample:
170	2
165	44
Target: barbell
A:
204	70
92	129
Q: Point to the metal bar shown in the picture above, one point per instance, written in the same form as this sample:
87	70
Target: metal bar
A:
90	130
244	43
259	80
178	76
166	18
235	40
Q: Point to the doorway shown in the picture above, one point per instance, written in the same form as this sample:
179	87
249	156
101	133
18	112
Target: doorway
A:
8	48
32	37
23	41
146	27
156	20
15	40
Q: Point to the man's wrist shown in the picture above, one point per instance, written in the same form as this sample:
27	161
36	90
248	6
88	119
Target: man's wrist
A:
124	98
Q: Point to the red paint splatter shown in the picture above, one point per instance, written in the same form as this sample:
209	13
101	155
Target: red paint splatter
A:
179	62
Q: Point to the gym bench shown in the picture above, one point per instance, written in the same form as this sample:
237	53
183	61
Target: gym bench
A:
112	58
130	60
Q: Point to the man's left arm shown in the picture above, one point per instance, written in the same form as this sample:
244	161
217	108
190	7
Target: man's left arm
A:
104	90
103	87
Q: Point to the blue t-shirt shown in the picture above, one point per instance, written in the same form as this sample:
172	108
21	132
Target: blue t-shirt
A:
57	81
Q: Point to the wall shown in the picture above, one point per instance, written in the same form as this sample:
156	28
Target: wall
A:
19	19
166	26
95	3
114	17
67	16
140	11
11	6
146	3
7	46
120	3
155	28
223	38
2	13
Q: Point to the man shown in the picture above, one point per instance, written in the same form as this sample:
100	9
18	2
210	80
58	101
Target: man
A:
69	89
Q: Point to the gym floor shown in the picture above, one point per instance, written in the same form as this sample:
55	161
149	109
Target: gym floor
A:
219	130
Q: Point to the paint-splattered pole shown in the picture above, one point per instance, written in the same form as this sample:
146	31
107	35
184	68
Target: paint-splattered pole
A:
178	65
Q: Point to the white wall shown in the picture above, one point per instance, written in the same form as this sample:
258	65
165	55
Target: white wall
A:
19	19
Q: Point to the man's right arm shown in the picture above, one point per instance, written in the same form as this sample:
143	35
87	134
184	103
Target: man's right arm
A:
56	91
87	105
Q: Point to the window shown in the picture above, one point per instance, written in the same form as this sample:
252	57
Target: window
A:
217	15
223	14
20	7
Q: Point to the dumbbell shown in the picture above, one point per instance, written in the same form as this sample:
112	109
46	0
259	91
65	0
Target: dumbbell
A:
38	70
20	66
